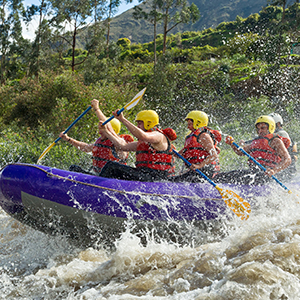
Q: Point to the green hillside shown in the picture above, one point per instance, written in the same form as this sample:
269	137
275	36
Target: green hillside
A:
213	12
235	72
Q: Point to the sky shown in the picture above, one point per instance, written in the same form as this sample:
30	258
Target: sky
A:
29	33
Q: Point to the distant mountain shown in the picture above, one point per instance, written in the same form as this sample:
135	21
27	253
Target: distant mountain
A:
213	12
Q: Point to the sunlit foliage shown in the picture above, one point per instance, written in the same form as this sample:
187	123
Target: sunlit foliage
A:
234	73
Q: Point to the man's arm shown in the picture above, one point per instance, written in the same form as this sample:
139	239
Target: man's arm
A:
278	145
208	144
229	140
155	138
78	144
100	115
118	142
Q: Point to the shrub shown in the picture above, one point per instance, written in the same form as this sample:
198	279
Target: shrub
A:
124	43
33	101
240	43
141	55
240	58
134	47
189	34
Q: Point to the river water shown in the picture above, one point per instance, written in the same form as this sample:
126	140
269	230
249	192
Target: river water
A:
254	259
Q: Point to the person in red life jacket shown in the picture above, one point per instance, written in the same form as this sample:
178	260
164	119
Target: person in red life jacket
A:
154	155
291	170
200	148
269	149
103	149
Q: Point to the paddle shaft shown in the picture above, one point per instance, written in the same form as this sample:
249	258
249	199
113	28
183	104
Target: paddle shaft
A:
110	118
236	203
87	110
261	166
129	105
197	170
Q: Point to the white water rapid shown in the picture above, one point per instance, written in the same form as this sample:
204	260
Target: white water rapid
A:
254	259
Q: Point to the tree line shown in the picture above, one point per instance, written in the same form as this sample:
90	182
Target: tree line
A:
69	25
60	23
234	72
52	33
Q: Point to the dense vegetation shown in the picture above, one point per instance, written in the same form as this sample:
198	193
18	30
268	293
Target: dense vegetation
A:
234	73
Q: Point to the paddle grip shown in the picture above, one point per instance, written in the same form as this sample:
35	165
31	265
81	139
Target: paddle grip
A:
261	166
197	170
110	118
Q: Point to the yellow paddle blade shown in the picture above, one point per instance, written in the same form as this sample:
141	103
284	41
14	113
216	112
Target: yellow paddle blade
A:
236	203
135	100
45	152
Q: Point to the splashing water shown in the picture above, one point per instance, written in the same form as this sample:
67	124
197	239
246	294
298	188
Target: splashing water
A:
255	259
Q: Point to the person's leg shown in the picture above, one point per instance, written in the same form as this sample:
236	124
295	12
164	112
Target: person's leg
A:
147	174
194	176
248	177
78	169
189	176
118	171
115	170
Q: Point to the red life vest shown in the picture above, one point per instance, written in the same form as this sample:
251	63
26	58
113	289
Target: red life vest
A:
147	156
127	137
261	150
194	152
104	151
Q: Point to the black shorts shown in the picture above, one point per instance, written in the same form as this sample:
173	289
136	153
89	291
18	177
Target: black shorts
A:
194	176
118	171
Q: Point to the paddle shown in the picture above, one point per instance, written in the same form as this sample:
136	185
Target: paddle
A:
129	105
54	143
261	166
236	203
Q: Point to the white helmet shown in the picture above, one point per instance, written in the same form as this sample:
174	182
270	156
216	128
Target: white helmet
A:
277	118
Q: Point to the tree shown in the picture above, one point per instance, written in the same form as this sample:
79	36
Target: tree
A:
153	16
98	10
282	3
11	39
175	12
95	39
111	10
75	14
43	33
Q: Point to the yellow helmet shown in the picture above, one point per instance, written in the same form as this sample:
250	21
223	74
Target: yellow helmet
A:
268	120
200	118
149	117
116	125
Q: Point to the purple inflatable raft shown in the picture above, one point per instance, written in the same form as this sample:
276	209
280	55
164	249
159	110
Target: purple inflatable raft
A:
53	200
